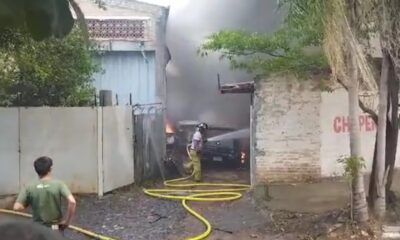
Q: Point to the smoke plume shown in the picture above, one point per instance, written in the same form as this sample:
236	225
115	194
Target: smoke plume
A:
192	80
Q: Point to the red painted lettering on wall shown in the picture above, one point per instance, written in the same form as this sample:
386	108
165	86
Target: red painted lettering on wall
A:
341	124
337	127
369	124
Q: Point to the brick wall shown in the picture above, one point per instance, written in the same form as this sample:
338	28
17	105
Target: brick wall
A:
287	130
301	132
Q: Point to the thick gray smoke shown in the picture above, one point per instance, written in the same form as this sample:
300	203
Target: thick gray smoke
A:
192	80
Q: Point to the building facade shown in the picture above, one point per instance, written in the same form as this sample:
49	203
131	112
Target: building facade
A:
131	42
300	131
133	55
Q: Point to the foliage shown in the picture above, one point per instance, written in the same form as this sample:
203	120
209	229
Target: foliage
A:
389	20
41	19
295	48
352	165
53	72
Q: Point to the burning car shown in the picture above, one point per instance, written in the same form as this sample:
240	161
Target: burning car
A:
229	149
225	146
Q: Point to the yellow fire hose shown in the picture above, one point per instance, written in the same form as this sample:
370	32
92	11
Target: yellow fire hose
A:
177	191
77	229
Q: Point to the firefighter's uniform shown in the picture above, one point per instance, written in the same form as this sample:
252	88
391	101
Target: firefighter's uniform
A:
196	163
195	151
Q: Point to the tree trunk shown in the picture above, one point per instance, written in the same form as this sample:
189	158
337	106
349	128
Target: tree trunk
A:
80	16
360	207
392	128
380	180
392	124
372	186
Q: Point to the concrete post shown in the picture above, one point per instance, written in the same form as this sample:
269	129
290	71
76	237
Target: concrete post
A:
100	164
105	98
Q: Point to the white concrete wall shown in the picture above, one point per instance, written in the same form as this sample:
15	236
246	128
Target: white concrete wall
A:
117	147
92	149
335	133
69	137
9	147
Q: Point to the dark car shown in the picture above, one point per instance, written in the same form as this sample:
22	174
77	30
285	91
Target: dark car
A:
229	153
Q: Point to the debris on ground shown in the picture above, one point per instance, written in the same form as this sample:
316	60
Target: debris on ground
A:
129	214
334	224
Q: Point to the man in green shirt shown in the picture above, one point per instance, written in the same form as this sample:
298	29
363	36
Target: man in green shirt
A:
45	196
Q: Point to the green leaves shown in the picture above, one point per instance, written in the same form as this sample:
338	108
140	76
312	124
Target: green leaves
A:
42	19
292	49
263	54
305	20
352	166
240	43
53	72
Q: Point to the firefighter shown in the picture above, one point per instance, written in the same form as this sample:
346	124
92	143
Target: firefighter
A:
195	150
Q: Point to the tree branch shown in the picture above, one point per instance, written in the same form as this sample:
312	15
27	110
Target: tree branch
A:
364	108
248	52
80	18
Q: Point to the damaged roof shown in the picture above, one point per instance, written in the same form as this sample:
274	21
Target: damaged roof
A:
242	87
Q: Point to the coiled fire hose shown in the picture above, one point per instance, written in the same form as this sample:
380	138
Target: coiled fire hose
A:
178	191
76	229
185	193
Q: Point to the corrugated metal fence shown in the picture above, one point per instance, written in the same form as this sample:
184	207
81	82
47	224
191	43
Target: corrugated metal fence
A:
92	148
130	75
149	141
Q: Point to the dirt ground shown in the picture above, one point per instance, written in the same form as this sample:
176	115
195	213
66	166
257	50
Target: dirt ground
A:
129	214
230	220
295	211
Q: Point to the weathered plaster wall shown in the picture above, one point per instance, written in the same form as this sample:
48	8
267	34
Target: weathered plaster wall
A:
301	132
287	130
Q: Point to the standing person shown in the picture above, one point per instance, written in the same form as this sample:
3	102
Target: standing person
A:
195	150
45	196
